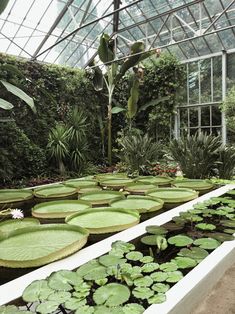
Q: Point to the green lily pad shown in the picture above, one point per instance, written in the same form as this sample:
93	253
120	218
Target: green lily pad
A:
143	281
92	270
102	197
142	292
168	266
111	260
141	203
99	221
115	183
60	296
146	259
157	230
112	294
156	180
54	191
196	253
205	226
47	307
133	308
197	185
134	256
74	303
220	236
85	309
89	189
12	309
124	246
174	195
207	243
229	231
101	309
78	184
15	195
161	287
155	240
139	188
228	223
174	276
101	282
180	240
38	290
58	209
39	245
149	267
231	192
157	298
184	262
159	276
10	225
64	280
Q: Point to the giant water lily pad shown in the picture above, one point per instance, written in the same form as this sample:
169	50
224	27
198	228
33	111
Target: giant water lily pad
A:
142	204
58	209
158	180
197	185
174	195
139	188
89	189
39	245
98	220
55	191
115	183
13	195
112	294
80	183
102	197
110	176
10	225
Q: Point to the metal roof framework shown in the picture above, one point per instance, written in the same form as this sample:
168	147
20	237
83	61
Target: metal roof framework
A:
67	31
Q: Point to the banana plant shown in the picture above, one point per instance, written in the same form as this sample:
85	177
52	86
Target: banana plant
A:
115	70
6	105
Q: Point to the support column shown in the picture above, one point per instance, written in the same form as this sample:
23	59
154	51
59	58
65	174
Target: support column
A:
224	91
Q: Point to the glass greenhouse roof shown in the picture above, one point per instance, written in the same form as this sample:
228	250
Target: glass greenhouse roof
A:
67	31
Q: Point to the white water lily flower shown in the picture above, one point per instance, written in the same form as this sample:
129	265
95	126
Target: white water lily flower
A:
17	213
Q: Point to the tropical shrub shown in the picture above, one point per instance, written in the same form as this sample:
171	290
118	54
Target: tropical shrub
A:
226	163
137	151
196	155
228	106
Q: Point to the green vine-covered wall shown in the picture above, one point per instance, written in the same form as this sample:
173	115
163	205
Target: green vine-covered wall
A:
56	90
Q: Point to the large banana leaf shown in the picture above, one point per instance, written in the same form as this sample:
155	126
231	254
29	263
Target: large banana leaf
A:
6	105
133	99
3	5
39	245
19	93
104	51
98	80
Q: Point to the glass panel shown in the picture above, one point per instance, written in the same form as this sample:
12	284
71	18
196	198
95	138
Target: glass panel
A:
205	80
183	118
193	83
230	70
193	117
205	116
217	78
216	131
216	115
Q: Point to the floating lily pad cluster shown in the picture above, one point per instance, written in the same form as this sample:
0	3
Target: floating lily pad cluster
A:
131	277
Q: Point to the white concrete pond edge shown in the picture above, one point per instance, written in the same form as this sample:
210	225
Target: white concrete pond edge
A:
181	298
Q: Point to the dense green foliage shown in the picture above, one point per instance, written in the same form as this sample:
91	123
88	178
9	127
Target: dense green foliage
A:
57	90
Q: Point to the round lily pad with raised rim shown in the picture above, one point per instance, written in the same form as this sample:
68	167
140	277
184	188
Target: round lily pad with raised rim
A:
9	225
99	221
80	183
89	189
231	192
107	176
39	245
139	188
174	195
101	197
141	203
55	191
156	180
15	195
58	209
197	185
115	183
